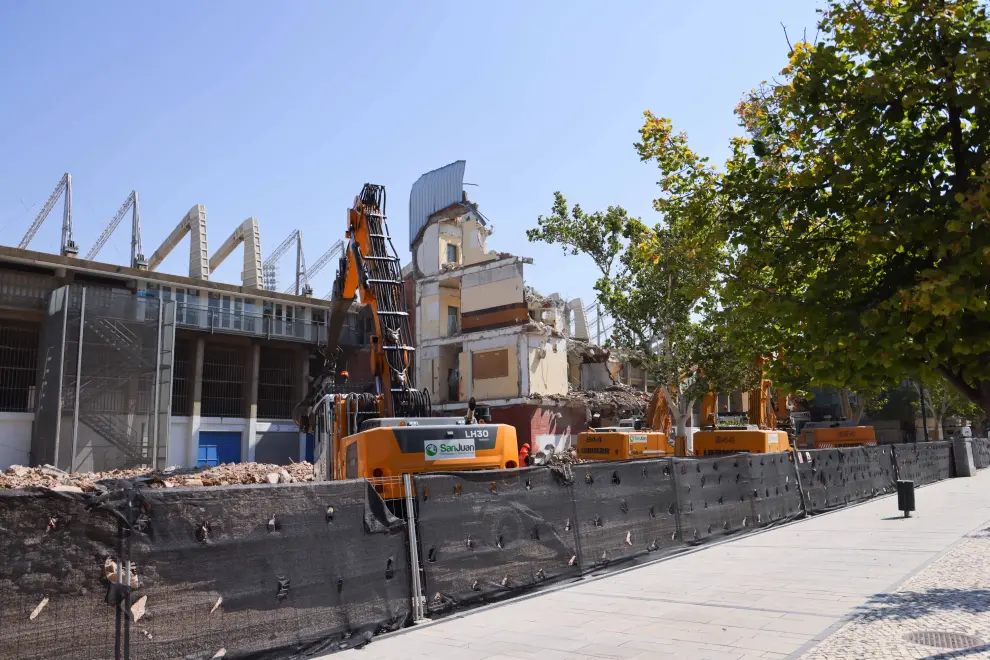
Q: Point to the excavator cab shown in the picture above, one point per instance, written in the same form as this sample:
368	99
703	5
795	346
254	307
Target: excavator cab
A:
352	441
737	439
646	437
829	434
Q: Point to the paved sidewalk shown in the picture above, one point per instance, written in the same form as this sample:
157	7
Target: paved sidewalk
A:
951	595
772	595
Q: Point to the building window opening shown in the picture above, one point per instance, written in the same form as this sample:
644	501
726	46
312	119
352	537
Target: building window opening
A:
18	368
223	381
451	253
181	382
275	386
453	319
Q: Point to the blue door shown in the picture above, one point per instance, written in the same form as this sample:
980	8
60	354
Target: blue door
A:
216	447
310	447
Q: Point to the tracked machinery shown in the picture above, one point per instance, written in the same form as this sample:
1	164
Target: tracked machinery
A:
384	430
635	438
760	436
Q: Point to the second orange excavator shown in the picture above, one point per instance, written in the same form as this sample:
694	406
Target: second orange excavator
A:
760	436
636	438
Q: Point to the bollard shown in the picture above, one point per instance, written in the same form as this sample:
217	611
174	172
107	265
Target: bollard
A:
905	497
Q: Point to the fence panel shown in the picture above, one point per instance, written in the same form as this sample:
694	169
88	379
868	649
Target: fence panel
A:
626	512
869	471
491	535
924	462
714	496
981	453
776	496
823	480
53	577
267	571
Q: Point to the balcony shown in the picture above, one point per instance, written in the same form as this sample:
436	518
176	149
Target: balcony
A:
225	321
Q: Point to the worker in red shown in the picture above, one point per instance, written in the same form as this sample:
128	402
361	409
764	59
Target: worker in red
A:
523	454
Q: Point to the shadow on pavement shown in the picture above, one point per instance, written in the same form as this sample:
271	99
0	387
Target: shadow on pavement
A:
959	653
905	605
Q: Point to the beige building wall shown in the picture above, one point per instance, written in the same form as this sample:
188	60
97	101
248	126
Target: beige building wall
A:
474	242
464	368
547	366
428	251
495	373
492	287
450	296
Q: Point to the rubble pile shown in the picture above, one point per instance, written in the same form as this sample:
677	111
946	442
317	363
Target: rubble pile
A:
617	400
48	477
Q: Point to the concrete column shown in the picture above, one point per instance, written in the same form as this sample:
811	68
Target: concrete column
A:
962	455
304	389
197	403
249	439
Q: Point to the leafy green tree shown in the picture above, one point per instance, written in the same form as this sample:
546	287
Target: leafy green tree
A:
942	400
657	283
857	205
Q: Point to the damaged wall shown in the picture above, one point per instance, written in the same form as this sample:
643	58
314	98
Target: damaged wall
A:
493	297
547	365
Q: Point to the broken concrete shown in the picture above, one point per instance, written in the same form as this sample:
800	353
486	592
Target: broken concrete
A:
49	478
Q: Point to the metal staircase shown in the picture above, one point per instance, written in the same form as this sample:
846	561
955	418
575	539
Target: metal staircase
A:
130	364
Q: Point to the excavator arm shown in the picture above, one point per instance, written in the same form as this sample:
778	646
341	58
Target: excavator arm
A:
370	268
657	413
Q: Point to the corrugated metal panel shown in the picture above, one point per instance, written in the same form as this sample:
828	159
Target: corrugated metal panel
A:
434	191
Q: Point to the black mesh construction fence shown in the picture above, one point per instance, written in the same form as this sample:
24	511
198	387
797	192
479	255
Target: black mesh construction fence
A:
53	576
490	535
981	453
626	512
776	494
714	496
823	479
924	462
266	571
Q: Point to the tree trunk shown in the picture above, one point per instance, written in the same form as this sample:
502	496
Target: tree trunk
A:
844	403
978	393
860	409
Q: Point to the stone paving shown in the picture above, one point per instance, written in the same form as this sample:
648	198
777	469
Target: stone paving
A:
769	596
952	595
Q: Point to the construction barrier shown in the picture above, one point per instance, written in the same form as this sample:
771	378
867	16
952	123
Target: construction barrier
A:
626	512
298	570
54	577
489	535
266	571
981	452
714	496
924	462
776	493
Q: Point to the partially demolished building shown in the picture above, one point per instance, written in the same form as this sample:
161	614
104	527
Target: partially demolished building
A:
482	332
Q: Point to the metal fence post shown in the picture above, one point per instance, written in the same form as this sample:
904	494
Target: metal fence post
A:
155	398
417	589
75	405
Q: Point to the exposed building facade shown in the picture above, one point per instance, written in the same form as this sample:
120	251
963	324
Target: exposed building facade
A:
480	331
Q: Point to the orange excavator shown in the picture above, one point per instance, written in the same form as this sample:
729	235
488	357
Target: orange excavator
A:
760	436
636	438
385	430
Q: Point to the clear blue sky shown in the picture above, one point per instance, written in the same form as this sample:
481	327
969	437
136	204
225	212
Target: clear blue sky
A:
282	110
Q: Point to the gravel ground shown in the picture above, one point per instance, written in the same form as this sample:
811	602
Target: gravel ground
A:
952	595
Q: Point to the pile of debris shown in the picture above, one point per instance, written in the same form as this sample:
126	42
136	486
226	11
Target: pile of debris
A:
612	403
232	474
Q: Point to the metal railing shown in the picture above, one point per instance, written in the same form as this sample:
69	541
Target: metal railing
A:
25	290
230	321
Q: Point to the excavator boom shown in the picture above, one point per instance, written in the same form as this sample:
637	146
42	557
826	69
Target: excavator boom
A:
370	268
